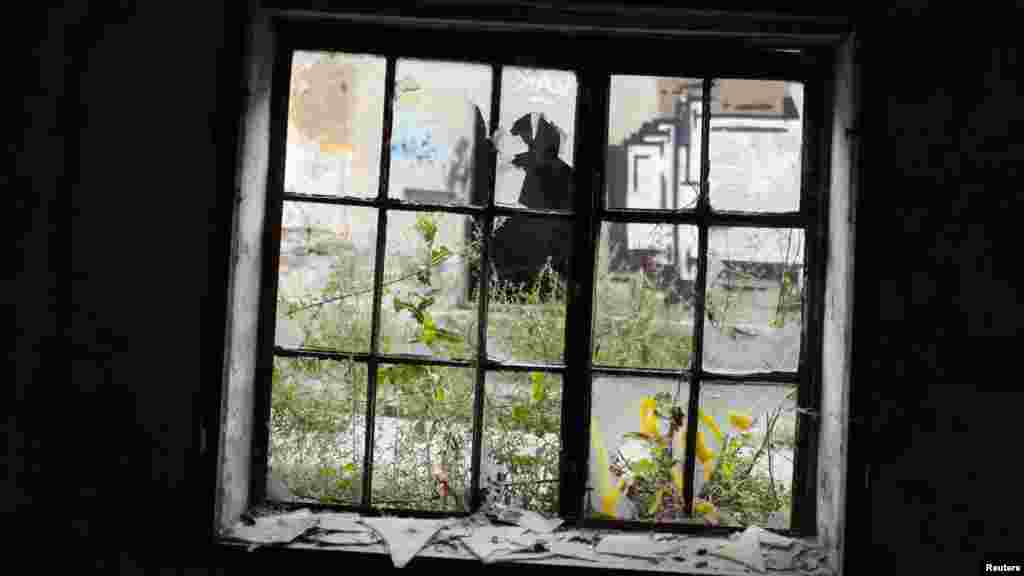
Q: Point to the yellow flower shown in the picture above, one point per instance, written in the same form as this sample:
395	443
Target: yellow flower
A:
740	420
711	424
703	453
677	476
709	469
649	419
707	510
703	507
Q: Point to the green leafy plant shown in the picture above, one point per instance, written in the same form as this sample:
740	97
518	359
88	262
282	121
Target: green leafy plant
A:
734	491
318	407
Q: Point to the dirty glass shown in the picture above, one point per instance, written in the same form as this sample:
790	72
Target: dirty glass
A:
637	448
325	276
754	146
422	437
317	419
335	121
521	440
745	454
535	139
643	296
753	311
425	305
530	258
439	149
653	157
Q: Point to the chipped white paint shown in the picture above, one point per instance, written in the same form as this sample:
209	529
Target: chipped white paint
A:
838	315
244	290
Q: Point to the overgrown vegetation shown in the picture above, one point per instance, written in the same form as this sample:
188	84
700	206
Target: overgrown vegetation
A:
425	413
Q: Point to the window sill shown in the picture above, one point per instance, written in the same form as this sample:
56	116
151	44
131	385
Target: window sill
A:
695	560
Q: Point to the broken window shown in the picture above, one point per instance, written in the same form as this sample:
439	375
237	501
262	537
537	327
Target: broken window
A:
466	317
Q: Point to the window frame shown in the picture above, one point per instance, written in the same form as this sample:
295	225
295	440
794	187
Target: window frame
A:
556	49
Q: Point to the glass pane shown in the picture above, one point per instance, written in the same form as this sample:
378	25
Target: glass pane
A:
439	150
325	278
755	288
643	308
535	141
530	262
653	148
754	146
426	307
335	122
637	445
522	423
423	437
751	480
317	419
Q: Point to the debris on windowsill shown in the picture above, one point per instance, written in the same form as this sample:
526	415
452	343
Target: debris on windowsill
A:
341	522
528	519
489	543
346	538
273	530
636	546
744	549
574	550
405	537
530	537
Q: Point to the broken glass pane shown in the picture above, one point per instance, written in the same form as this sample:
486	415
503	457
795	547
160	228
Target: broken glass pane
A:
535	141
530	259
753	313
522	423
426	307
335	122
325	276
422	438
643	299
317	418
750	481
637	448
755	145
439	147
653	159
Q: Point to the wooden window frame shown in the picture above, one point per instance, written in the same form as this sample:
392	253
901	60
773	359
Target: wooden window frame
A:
606	55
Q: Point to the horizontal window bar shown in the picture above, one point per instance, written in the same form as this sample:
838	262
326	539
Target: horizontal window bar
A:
397	204
366	357
697	527
495	366
554	48
318	507
641	372
340	356
752	378
744	219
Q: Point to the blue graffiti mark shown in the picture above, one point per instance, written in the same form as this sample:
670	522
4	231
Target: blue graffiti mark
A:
412	141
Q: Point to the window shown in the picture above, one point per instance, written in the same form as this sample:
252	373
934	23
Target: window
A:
493	274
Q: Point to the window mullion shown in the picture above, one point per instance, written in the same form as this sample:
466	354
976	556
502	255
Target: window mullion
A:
483	296
378	282
591	138
696	359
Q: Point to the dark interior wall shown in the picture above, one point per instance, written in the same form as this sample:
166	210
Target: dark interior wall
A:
149	109
937	313
145	133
